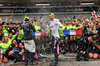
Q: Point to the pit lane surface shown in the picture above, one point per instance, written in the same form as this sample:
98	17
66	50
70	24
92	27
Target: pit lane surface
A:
68	59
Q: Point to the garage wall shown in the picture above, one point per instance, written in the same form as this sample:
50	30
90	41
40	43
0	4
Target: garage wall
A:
20	17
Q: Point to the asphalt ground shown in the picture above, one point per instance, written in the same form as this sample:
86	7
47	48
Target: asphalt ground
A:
68	59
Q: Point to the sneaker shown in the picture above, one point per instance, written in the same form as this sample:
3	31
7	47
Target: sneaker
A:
33	63
53	60
43	56
53	64
26	64
15	60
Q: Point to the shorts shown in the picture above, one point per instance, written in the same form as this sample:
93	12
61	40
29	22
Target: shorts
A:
29	45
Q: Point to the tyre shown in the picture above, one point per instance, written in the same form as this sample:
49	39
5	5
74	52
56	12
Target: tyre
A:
48	51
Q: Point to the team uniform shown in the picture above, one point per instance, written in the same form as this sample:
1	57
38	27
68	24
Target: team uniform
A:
28	42
54	25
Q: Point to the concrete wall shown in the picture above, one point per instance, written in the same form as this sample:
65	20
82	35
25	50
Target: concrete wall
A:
20	17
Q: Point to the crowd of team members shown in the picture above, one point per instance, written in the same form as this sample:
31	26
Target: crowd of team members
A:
12	43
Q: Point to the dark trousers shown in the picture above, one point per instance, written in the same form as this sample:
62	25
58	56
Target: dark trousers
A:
29	56
55	51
